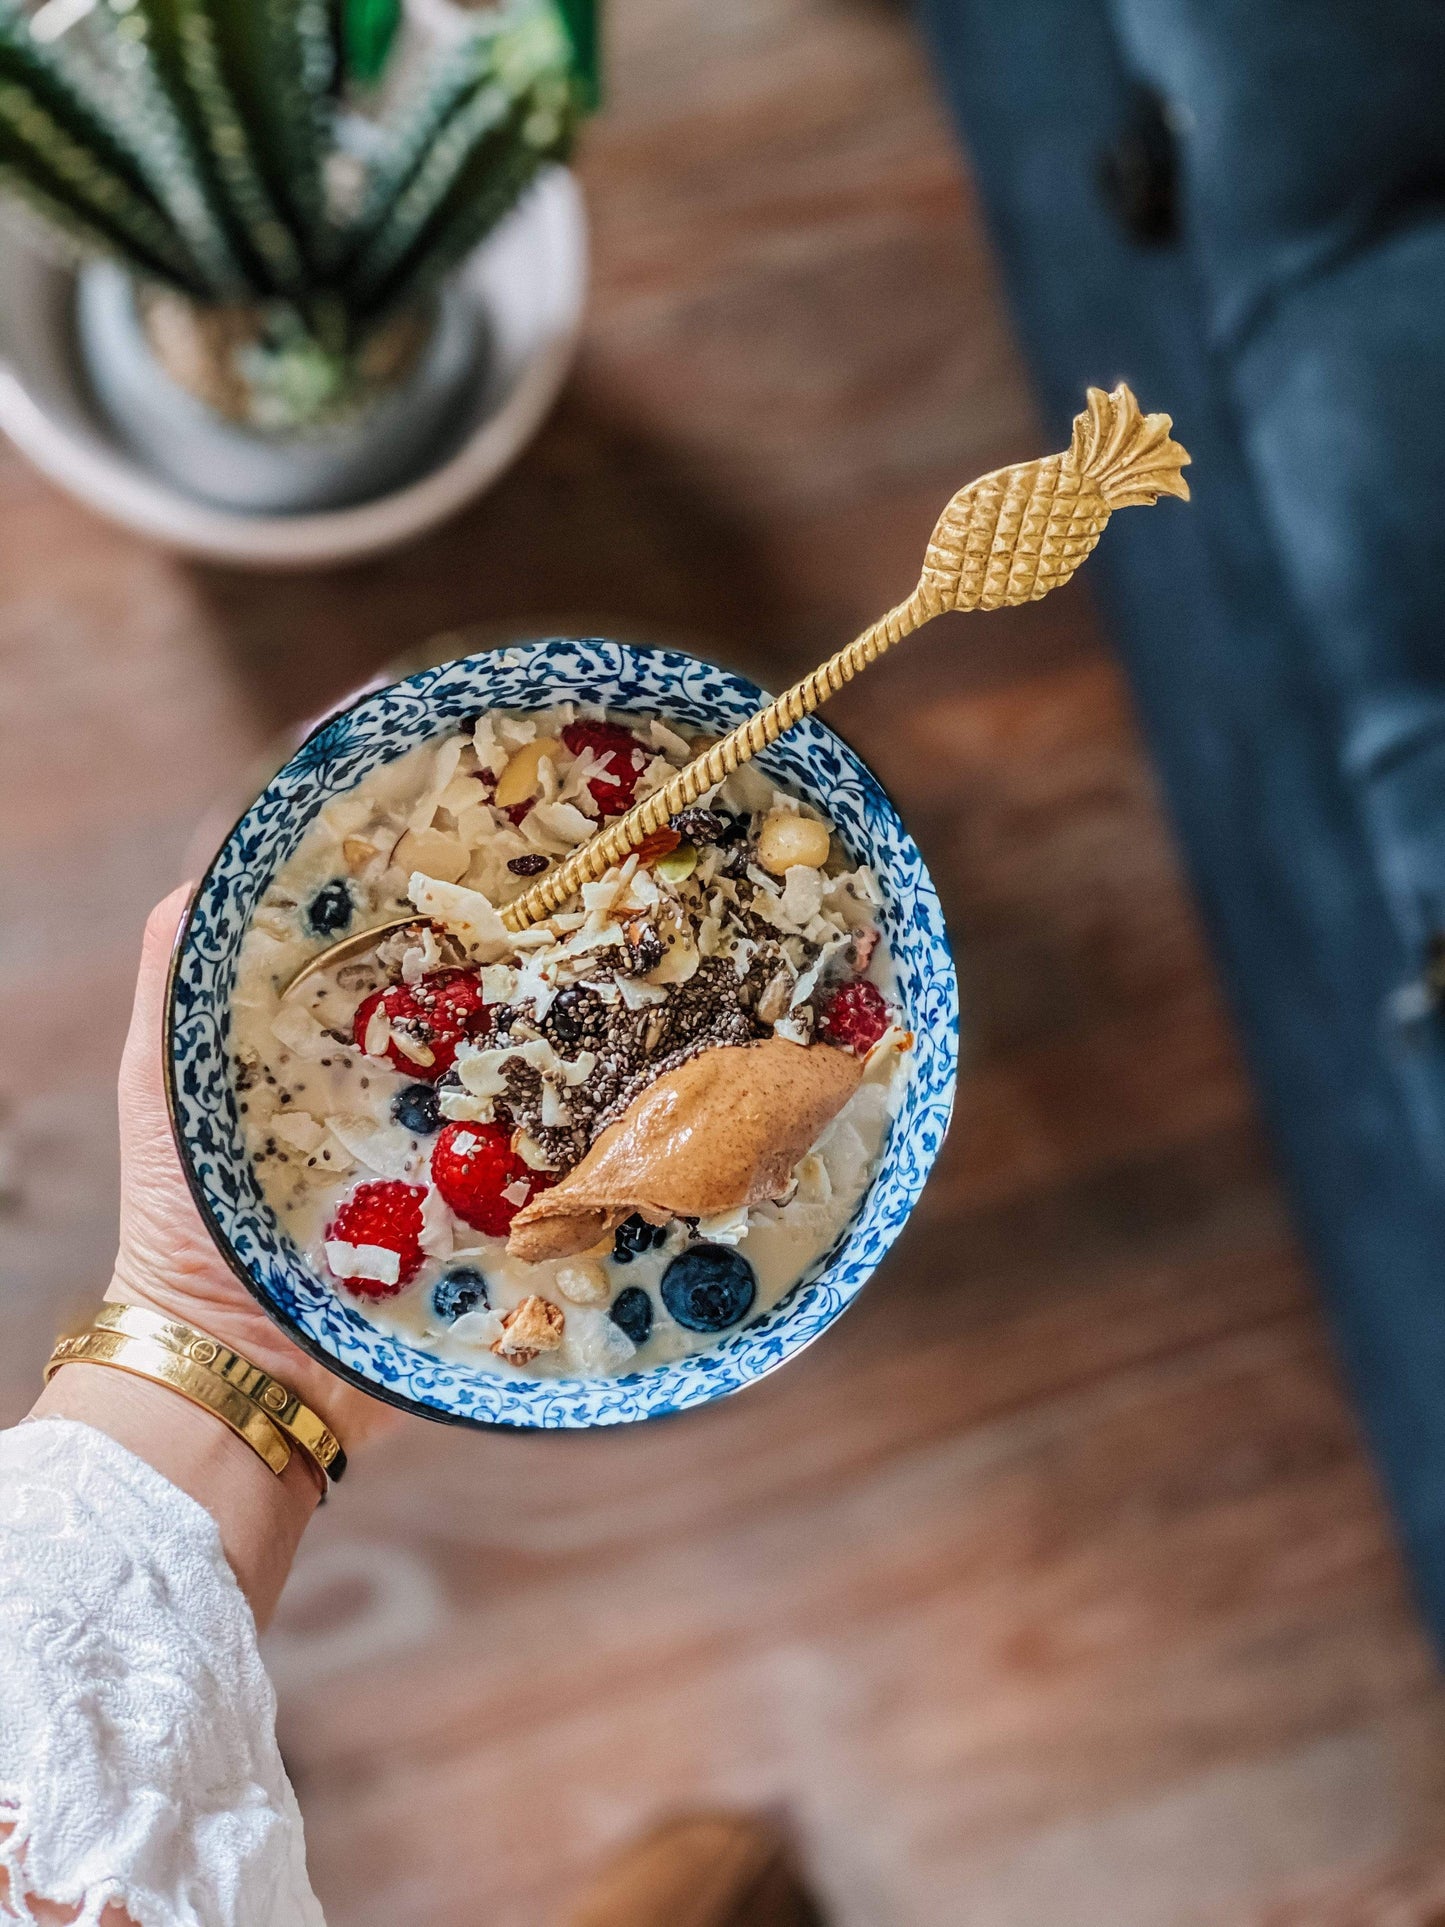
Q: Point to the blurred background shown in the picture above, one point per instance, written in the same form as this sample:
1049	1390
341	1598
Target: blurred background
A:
1060	1582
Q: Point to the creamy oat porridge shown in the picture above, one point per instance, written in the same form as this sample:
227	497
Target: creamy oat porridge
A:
596	1145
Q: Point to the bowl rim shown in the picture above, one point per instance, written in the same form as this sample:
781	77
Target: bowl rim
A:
790	1345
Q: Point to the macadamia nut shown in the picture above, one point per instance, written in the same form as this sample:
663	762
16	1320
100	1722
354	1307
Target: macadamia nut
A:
787	839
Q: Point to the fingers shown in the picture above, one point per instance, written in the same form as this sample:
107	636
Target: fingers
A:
140	1064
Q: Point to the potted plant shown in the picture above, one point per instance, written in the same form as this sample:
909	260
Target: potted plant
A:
268	309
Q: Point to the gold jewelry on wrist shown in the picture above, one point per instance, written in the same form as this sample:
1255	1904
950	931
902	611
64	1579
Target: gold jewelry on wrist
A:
256	1407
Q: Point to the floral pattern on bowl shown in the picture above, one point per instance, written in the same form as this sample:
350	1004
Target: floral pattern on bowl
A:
643	682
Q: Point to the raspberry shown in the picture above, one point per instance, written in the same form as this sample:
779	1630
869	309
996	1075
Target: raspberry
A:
434	1016
855	1016
622	758
472	1165
386	1214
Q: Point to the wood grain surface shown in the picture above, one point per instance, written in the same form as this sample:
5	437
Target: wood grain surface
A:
1053	1587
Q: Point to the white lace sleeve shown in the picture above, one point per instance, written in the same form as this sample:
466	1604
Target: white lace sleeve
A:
138	1760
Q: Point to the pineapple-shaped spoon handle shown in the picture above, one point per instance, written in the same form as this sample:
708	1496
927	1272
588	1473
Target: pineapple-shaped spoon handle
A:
1007	538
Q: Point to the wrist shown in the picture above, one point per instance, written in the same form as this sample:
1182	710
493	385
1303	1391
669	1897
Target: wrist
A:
260	1515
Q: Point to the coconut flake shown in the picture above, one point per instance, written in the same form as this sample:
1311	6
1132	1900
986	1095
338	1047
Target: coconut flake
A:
466	913
444	768
460	1107
331	1159
480	1070
384	1148
642	891
475	1330
743	952
555	1110
598	898
373	1262
345	813
727	1228
802	893
636	994
878	1065
561	820
490	754
421	956
517	1192
668	741
499	983
434	853
593	1344
585	767
808	982
296	1028
299	1129
460	795
438	1228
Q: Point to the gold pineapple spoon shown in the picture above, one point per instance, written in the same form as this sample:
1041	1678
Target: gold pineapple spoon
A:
1006	539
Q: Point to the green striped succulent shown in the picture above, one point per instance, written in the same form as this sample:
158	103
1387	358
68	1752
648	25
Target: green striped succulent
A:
204	145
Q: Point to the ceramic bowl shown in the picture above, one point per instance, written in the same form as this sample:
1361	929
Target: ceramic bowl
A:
526	285
642	682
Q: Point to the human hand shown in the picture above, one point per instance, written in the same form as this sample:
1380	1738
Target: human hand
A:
167	1259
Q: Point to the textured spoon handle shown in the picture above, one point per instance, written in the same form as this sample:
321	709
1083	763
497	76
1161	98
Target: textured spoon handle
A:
593	860
1009	537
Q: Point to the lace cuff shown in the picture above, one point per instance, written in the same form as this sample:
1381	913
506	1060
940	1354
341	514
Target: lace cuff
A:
138	1759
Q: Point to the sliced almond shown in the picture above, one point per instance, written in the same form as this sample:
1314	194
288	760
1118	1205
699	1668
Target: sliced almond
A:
519	780
412	1047
776	996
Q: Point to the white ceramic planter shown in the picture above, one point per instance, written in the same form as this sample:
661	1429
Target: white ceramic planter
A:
522	292
178	437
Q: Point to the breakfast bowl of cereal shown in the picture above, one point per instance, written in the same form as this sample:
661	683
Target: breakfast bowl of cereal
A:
612	1165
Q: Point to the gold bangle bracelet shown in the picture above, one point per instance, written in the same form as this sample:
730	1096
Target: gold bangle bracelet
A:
285	1411
256	1407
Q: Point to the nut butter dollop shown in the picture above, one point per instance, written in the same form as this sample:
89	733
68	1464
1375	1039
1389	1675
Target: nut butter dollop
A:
722	1130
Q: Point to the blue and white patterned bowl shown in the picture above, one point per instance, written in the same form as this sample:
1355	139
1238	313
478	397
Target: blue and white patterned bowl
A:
643	682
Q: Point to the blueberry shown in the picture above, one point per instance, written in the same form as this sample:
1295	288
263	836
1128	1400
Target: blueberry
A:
634	1237
632	1313
459	1292
330	910
418	1109
709	1287
569	1014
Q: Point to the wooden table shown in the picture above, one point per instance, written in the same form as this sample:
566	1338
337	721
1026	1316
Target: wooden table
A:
1052	1587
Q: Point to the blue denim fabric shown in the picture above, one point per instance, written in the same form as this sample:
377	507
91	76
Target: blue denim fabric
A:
1285	634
